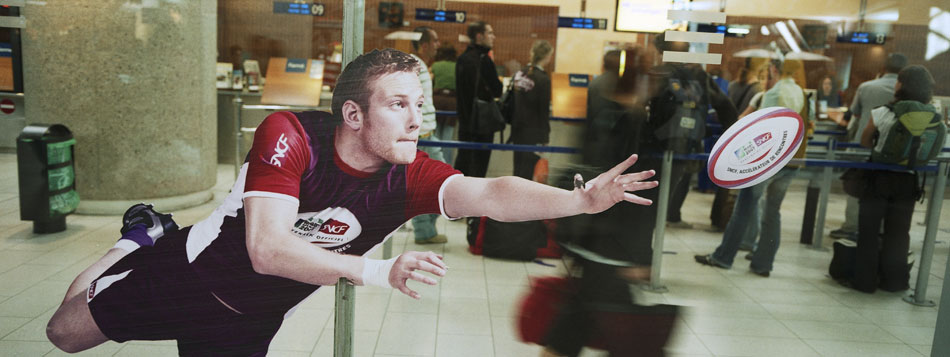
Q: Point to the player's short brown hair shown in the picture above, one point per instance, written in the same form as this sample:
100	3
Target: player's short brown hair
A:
357	80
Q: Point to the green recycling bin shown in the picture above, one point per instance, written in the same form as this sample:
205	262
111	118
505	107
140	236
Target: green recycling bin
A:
47	176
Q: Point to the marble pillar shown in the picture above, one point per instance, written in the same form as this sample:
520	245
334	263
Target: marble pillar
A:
134	81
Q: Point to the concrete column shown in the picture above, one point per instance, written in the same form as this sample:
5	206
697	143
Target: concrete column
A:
134	81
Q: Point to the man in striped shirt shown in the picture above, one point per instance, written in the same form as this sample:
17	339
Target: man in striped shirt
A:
423	50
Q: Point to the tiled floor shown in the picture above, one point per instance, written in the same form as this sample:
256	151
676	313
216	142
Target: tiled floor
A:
798	311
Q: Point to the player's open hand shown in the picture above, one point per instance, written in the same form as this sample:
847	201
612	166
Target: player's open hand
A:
613	186
406	268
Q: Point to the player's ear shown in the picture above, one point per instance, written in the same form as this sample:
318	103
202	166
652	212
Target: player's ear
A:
352	115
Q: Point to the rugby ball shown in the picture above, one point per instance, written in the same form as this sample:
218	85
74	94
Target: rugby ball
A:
755	147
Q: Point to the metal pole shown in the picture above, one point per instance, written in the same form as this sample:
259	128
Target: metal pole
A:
238	136
919	296
353	22
660	229
941	344
823	197
343	319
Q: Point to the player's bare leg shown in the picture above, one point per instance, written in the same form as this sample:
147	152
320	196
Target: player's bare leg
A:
72	328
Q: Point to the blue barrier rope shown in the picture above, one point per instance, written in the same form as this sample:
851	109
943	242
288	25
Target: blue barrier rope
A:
700	156
502	147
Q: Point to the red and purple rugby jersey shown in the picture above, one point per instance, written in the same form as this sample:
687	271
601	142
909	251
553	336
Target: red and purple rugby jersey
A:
340	209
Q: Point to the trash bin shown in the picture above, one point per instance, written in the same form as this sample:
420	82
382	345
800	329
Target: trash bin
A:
47	177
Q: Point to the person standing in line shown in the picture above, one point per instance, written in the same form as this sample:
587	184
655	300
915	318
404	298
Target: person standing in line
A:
888	201
532	114
443	97
423	49
740	92
870	95
475	68
747	217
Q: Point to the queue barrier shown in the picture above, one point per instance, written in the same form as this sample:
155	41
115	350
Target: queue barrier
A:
918	297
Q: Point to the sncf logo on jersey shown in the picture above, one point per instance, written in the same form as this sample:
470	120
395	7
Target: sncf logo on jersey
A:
280	150
330	228
334	227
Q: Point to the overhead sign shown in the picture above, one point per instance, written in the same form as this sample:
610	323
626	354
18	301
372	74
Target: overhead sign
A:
582	23
864	37
440	15
727	30
299	8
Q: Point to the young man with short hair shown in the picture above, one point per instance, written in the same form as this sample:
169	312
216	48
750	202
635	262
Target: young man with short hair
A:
318	191
475	78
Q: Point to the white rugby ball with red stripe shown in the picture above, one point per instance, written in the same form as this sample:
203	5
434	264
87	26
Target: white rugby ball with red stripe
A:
755	147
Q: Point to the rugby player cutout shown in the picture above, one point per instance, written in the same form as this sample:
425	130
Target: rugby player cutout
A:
316	193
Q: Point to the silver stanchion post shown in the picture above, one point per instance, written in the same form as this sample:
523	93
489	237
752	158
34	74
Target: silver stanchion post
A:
238	136
343	319
919	296
823	194
660	229
354	13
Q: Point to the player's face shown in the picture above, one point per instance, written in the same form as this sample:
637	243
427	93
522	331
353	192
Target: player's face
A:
391	128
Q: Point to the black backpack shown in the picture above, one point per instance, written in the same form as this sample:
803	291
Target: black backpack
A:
506	240
678	112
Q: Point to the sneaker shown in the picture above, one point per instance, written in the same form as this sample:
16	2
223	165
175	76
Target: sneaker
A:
708	260
680	225
156	224
436	239
763	274
841	233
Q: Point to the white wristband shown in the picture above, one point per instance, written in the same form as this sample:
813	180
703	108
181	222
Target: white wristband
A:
376	272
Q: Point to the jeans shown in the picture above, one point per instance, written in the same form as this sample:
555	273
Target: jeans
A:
446	132
424	225
746	219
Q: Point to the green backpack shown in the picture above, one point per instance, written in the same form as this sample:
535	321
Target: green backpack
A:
917	137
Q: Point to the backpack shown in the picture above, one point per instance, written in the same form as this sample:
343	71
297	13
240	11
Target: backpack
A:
678	114
523	241
917	137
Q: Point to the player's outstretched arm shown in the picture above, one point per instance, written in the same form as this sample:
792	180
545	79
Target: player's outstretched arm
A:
515	199
274	250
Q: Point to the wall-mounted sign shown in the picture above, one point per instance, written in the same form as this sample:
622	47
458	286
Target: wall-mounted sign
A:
440	15
578	80
296	65
297	8
864	37
582	23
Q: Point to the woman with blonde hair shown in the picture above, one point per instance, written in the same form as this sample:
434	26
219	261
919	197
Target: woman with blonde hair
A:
532	96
